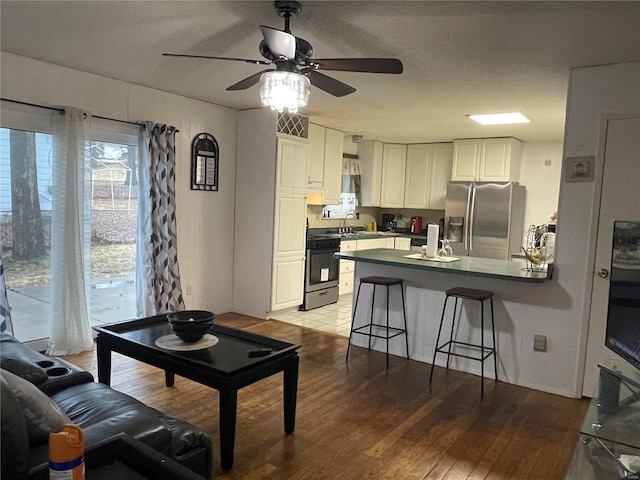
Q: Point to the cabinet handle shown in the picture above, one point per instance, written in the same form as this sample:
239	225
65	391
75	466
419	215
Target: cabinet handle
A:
603	273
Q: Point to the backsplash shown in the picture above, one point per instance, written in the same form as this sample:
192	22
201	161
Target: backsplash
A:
373	214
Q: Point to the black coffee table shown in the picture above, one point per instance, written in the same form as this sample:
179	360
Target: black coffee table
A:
226	366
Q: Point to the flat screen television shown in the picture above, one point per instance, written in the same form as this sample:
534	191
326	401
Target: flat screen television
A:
623	316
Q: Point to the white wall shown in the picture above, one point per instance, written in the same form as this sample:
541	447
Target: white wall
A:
540	173
205	219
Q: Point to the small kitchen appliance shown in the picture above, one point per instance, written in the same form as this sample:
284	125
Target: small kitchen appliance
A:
416	224
388	224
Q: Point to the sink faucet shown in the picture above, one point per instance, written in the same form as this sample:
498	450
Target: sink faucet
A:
343	228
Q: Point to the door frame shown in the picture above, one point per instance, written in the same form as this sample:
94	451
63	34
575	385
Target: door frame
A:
587	384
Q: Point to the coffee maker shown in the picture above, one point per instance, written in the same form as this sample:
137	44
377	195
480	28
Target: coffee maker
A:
388	223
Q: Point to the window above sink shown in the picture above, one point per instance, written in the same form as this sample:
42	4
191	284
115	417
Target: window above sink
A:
348	206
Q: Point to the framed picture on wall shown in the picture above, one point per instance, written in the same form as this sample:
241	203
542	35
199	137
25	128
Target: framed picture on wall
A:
580	169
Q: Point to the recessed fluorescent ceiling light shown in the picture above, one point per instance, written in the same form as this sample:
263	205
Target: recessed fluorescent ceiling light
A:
500	118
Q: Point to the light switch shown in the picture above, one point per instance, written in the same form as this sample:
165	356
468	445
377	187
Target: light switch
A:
540	343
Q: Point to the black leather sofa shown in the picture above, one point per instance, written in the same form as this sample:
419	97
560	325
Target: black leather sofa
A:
99	410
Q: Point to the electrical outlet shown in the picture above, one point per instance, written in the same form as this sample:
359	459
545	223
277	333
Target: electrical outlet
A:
540	343
189	289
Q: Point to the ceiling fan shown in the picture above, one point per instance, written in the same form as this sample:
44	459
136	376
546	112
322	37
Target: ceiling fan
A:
288	53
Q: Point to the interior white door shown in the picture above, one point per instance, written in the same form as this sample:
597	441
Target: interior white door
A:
620	200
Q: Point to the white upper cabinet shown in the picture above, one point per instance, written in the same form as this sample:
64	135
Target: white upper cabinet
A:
333	151
394	158
324	172
405	176
315	171
487	159
291	175
440	174
418	176
427	174
370	155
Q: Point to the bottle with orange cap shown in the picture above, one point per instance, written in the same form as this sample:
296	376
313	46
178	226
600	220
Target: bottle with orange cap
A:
66	454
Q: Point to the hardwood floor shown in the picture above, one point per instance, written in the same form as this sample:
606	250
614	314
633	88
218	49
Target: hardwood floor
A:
357	420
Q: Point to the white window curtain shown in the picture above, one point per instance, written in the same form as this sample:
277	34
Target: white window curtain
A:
70	237
5	311
351	181
157	272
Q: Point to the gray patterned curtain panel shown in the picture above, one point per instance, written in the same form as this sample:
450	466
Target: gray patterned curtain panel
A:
158	274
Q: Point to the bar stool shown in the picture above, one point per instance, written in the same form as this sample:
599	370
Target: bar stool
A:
485	352
387	331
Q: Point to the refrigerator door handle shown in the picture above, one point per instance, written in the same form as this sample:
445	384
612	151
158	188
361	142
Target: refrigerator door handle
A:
466	231
470	217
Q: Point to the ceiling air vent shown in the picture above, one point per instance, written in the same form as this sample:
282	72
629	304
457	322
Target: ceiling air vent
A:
293	124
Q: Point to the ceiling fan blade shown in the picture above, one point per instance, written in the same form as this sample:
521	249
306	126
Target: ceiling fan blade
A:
281	44
246	60
328	84
369	65
247	82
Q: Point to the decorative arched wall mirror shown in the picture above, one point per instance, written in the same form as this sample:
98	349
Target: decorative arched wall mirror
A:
205	156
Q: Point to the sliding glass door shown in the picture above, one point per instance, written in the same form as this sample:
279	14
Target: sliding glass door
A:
27	191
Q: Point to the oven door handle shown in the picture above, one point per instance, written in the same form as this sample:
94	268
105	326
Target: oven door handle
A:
322	250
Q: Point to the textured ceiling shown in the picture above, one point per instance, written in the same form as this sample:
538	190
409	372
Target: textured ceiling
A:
459	57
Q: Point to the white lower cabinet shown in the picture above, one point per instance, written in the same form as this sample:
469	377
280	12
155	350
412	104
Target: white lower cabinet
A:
402	243
347	267
287	288
371	243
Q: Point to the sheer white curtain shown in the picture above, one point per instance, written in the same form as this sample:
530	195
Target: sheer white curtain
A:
5	311
70	237
158	288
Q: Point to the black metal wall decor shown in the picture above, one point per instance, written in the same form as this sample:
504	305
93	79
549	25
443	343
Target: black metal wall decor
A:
204	163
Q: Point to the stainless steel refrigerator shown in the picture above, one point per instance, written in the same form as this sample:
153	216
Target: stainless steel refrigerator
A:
485	219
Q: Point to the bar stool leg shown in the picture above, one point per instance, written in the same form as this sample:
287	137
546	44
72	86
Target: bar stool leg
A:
373	300
493	333
453	324
404	316
435	351
482	349
387	327
353	320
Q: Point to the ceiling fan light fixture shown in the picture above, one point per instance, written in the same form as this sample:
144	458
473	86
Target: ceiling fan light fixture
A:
282	90
500	118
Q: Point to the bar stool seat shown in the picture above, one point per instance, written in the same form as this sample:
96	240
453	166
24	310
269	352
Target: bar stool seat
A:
377	330
484	352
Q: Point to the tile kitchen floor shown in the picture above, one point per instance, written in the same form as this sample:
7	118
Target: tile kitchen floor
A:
334	318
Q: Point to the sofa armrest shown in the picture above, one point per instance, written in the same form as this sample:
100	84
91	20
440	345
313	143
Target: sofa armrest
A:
62	374
49	374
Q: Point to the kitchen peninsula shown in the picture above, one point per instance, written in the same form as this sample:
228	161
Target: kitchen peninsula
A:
520	295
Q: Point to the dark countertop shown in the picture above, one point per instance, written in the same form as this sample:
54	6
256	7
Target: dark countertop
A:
480	267
359	233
